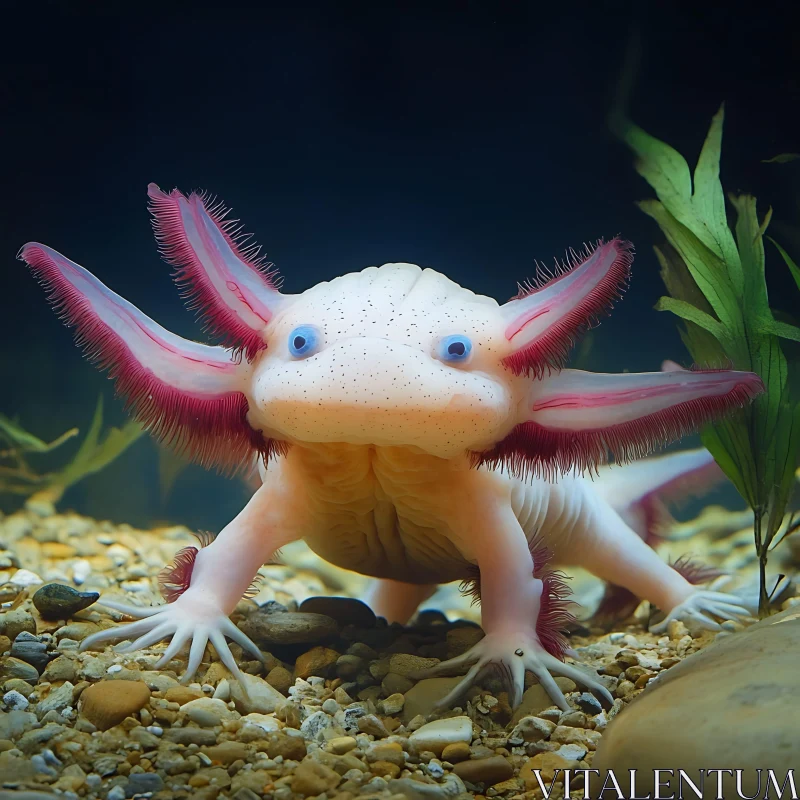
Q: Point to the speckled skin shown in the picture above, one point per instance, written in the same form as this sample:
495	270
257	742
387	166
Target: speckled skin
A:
378	433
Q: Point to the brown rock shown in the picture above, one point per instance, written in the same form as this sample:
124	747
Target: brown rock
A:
734	702
318	661
292	748
227	752
312	778
107	703
181	695
425	695
456	752
384	769
281	679
548	765
485	770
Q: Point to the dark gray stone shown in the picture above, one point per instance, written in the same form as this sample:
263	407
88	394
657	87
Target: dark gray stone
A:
58	601
289	627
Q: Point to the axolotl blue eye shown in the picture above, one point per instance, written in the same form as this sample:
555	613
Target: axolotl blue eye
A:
455	348
303	341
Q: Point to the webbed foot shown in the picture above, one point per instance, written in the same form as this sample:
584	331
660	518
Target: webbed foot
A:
512	654
186	619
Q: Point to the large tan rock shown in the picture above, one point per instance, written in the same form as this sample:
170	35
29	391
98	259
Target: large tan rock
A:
107	703
734	704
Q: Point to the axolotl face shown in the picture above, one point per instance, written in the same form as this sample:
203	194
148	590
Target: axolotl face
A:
394	355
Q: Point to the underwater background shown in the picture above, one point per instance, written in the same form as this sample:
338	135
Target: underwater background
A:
468	137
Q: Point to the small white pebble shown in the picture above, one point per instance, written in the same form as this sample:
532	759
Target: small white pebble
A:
25	578
15	701
155	730
208	688
330	706
223	690
81	569
435	769
204	759
114	668
93	780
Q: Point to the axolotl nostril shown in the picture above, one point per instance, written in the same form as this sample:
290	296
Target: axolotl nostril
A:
408	429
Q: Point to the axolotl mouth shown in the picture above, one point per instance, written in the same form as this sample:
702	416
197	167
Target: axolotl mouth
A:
370	390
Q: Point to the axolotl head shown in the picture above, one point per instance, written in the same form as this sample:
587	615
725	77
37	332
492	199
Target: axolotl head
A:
389	356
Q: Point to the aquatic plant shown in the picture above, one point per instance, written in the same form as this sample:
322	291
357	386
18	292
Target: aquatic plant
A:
714	272
18	477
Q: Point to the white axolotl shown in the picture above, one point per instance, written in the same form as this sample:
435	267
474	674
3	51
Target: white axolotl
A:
408	429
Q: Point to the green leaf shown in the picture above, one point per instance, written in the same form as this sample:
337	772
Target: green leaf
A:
93	455
706	268
689	313
29	443
781	158
775	328
793	268
749	237
701	211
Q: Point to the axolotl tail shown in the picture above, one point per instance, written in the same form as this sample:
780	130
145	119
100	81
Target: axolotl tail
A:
640	492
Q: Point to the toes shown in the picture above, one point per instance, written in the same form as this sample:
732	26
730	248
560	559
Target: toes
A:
137	612
195	654
225	655
580	677
460	689
445	667
117	632
699	618
242	639
550	686
178	641
160	632
661	627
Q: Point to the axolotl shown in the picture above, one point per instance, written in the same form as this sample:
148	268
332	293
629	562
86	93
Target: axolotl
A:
407	429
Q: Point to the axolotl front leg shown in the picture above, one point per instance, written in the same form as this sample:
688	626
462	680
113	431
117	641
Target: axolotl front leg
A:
486	529
220	575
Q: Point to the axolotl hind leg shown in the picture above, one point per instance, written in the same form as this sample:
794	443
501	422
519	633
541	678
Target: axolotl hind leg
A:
397	601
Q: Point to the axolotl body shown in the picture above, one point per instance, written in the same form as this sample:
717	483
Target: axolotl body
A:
407	429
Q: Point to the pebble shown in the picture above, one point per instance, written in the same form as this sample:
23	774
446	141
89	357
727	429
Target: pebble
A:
14	622
458	751
436	735
58	601
485	770
311	778
289	627
533	729
317	661
281	679
107	703
345	610
25	578
208	712
15	668
190	735
57	699
142	782
259	697
29	648
15	701
60	669
423	697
